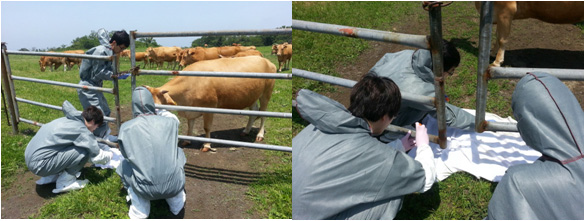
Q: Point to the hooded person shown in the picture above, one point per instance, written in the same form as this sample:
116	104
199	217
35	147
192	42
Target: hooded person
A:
412	71
550	120
93	72
341	170
61	148
153	165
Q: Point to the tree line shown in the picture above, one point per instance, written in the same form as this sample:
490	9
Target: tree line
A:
89	41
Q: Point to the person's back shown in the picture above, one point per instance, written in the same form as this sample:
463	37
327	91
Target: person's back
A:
153	167
340	171
550	120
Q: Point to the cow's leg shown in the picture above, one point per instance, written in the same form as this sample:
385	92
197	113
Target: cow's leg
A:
190	123
264	99
250	120
207	123
504	22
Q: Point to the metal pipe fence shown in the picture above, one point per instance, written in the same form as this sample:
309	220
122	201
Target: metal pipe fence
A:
217	74
8	80
485	73
433	42
418	41
134	35
428	102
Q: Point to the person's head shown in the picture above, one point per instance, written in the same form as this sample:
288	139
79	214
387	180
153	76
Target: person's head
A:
93	117
376	99
451	57
119	41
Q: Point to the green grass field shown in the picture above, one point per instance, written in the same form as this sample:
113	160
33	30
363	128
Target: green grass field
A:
272	193
461	196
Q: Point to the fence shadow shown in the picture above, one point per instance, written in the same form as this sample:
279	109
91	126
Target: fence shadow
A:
221	175
543	58
231	134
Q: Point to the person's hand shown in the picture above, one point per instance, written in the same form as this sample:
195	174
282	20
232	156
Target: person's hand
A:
123	76
422	138
408	142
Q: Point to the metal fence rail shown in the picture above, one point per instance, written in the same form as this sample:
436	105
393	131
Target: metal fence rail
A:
418	41
237	143
107	90
225	111
212	33
109	119
562	74
56	54
217	74
428	102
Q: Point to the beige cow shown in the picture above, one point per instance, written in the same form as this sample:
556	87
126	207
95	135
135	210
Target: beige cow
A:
284	54
69	62
556	12
52	62
162	54
216	92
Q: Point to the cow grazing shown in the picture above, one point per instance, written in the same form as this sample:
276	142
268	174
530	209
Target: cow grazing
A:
162	54
70	62
216	92
274	49
192	55
142	56
51	62
284	54
556	12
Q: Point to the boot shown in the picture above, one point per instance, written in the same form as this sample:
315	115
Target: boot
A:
67	182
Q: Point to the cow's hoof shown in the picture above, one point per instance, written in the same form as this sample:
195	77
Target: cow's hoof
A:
185	143
208	149
258	139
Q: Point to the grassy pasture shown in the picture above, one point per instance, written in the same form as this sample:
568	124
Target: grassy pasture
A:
102	200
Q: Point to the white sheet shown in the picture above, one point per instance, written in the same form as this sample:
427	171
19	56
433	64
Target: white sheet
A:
487	155
114	162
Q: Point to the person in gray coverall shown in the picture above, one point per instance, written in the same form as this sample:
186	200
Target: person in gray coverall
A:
412	71
341	170
61	148
153	165
550	120
94	72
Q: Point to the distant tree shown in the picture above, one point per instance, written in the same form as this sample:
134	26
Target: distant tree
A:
147	42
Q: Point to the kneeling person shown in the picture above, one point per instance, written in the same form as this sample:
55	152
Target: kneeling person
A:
153	165
62	147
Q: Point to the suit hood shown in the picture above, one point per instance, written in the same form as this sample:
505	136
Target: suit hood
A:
71	113
327	115
550	119
103	37
423	66
142	102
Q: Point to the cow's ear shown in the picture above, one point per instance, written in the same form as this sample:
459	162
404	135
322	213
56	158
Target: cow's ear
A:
168	99
164	92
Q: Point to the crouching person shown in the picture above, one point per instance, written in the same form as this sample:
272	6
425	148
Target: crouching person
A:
153	165
62	147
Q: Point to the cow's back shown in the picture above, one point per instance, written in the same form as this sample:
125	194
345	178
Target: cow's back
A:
556	12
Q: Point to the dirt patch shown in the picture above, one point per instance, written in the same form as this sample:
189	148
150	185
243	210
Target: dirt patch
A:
532	44
216	183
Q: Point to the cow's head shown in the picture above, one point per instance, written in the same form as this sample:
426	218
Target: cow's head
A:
280	49
42	64
160	96
192	55
274	49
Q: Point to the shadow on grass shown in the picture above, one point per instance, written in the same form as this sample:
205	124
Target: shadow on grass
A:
46	191
419	206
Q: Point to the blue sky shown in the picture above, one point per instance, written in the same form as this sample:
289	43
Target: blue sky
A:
43	24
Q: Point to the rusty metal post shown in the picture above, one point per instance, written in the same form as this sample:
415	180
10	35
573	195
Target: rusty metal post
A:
436	45
116	92
133	57
8	90
485	37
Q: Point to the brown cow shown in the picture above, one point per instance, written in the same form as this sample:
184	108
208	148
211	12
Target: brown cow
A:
70	62
162	54
142	56
556	12
249	53
215	92
50	61
284	54
125	53
192	55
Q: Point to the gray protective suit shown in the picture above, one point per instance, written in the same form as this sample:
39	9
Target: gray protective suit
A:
93	73
341	172
412	71
153	164
550	120
64	144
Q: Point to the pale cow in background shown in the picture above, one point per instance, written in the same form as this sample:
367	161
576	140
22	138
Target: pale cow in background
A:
249	53
284	54
556	12
192	55
162	54
219	92
68	62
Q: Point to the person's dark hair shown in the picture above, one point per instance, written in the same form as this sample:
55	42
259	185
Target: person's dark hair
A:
121	38
373	97
451	56
93	113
